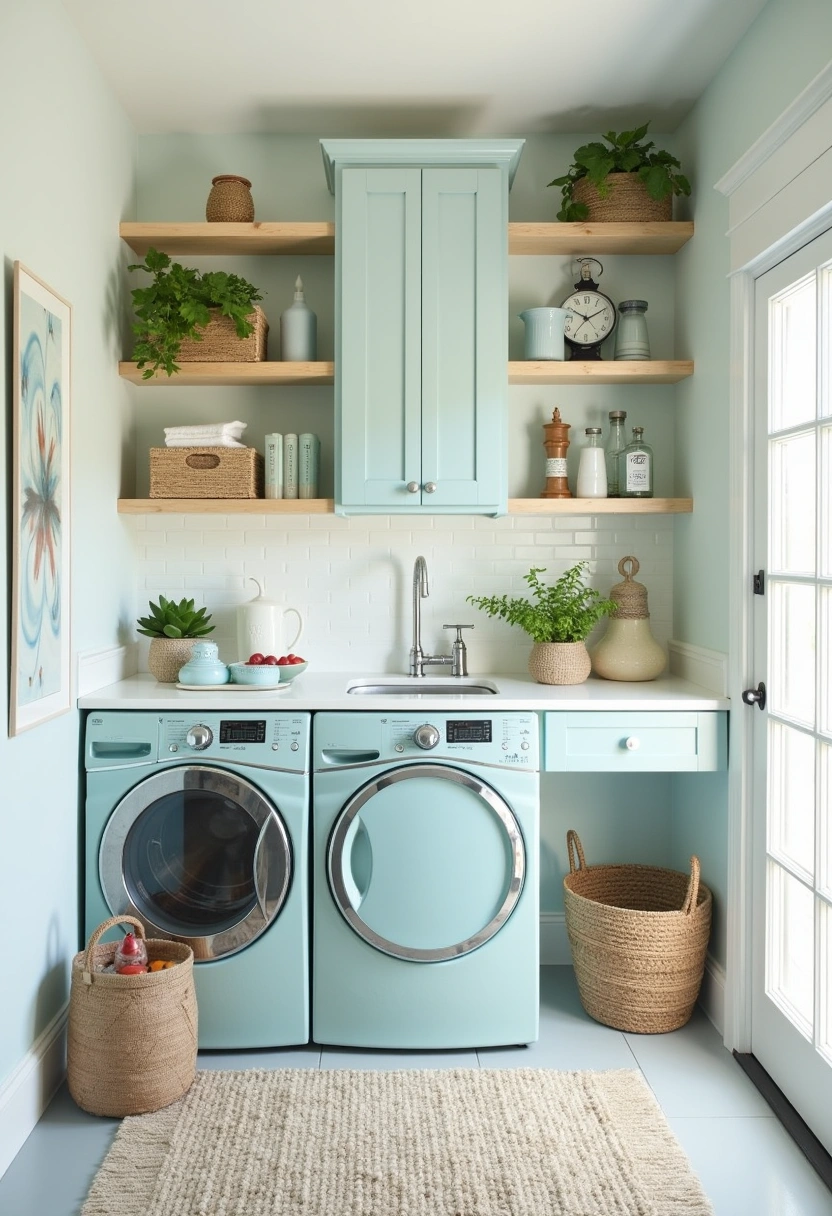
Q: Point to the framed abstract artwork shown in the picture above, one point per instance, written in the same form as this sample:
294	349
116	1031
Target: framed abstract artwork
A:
40	674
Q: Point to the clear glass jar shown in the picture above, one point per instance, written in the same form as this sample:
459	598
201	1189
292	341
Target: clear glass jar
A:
615	446
635	467
631	338
592	468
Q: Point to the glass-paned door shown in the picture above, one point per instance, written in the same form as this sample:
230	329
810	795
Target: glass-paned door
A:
792	539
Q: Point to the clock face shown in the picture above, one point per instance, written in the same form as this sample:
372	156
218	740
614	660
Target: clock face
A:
592	320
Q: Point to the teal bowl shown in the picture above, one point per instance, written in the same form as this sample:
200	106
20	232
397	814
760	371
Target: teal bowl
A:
291	670
261	676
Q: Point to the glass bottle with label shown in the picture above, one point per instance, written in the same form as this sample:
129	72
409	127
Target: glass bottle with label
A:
615	446
635	467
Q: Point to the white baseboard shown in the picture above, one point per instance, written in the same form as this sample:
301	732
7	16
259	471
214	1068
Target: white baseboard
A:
712	993
554	943
707	668
25	1094
98	668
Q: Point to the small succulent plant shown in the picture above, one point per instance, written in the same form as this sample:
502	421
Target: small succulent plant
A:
171	620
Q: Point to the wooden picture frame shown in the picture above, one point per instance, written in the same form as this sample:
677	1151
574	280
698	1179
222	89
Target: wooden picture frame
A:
40	684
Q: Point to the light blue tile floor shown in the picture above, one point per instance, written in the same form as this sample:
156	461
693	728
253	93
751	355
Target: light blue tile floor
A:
747	1163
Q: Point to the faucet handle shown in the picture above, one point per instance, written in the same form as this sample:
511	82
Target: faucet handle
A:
458	629
458	651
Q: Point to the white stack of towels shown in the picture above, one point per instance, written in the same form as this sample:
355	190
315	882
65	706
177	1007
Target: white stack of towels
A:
209	435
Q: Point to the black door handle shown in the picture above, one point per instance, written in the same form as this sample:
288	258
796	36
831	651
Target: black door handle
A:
755	696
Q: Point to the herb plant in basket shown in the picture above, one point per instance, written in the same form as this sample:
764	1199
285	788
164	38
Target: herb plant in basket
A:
179	303
558	619
174	628
622	179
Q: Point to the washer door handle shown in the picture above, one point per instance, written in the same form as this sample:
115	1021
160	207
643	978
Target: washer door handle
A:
358	857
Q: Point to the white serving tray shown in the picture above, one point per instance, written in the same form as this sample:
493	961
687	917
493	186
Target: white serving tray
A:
279	687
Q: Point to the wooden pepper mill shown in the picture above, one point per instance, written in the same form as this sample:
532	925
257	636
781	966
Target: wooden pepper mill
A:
556	442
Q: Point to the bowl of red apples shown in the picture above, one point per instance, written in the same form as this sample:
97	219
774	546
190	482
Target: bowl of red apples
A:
267	670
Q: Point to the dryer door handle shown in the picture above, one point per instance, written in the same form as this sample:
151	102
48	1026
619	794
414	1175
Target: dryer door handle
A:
357	864
269	851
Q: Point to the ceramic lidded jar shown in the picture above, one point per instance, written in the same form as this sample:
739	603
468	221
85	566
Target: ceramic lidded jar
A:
628	650
230	201
204	666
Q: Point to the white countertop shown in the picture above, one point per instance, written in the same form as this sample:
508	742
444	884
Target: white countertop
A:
328	691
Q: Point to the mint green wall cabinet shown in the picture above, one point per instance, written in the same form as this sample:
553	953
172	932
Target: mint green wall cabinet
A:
421	326
653	742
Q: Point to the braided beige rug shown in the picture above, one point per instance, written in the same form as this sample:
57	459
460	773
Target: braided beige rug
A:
462	1142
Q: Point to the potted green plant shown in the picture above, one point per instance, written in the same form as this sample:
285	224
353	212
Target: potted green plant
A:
178	307
558	619
622	179
174	628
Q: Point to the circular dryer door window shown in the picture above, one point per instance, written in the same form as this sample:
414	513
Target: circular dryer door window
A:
200	855
426	863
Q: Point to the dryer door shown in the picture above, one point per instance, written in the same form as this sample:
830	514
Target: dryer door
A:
200	855
426	862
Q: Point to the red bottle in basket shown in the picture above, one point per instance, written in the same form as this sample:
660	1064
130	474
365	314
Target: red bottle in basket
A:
131	956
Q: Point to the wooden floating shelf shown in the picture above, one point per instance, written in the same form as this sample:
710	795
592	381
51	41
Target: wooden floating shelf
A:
207	374
276	238
326	506
318	237
599	238
601	371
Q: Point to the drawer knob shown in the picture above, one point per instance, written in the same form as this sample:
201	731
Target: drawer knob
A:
632	744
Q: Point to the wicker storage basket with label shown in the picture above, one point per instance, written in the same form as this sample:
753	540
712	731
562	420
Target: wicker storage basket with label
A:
132	1039
220	343
208	472
639	935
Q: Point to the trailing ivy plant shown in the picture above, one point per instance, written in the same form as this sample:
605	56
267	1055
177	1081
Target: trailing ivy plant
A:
622	153
177	304
566	611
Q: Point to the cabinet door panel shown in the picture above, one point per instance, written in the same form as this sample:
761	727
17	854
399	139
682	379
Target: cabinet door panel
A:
378	393
464	337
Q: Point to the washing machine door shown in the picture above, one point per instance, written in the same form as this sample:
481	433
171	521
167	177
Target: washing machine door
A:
200	855
426	862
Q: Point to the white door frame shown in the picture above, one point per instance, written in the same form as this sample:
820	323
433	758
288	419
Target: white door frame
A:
780	198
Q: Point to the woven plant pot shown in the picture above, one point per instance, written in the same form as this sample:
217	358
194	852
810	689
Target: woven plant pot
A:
132	1039
166	656
220	343
229	200
559	662
627	202
638	935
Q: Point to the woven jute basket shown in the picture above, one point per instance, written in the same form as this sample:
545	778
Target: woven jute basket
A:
559	662
167	656
209	472
638	935
220	343
229	200
627	201
132	1039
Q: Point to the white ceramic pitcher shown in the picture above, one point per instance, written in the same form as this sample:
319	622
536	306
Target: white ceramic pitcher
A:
260	626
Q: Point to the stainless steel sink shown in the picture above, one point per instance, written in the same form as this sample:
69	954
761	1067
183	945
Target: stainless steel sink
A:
415	687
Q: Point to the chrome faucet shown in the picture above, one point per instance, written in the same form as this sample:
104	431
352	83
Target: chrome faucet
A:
458	658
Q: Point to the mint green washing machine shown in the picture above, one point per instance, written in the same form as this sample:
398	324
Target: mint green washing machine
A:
197	823
425	879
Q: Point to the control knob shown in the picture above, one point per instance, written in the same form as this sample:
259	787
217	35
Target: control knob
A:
199	737
426	736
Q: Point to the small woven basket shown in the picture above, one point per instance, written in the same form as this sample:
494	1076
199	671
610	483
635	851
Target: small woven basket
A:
559	662
639	935
132	1039
220	343
229	200
627	202
210	472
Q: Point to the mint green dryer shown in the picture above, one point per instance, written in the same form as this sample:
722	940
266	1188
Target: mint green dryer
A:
425	879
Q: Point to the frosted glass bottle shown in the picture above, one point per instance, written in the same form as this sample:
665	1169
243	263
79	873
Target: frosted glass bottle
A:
615	446
635	467
631	339
298	330
592	468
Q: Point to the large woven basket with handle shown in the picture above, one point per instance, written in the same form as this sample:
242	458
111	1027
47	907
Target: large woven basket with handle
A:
639	935
132	1039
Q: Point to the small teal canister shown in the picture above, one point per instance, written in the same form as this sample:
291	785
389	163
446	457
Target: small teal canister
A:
204	666
631	339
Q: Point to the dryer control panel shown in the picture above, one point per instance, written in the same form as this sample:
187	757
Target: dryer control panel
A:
508	740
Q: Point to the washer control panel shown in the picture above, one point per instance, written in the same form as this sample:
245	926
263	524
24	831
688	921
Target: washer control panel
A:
509	740
269	740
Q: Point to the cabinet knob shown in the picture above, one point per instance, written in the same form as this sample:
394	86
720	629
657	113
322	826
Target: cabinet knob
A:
412	487
430	487
632	744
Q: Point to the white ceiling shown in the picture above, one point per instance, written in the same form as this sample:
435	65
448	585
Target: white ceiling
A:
451	68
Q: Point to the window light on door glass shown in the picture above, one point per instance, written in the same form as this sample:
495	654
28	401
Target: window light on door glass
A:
792	508
792	345
790	947
791	796
792	655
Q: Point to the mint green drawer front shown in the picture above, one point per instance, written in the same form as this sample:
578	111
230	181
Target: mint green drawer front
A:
635	742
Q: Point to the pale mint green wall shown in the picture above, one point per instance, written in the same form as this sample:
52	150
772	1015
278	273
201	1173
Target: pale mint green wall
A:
788	44
67	156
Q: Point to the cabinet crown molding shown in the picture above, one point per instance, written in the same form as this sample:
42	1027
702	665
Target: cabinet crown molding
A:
342	153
